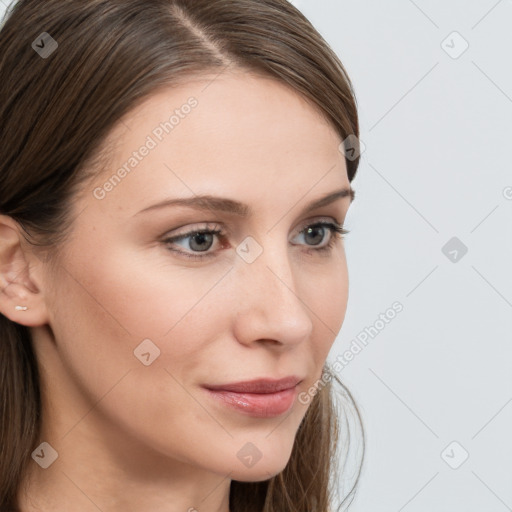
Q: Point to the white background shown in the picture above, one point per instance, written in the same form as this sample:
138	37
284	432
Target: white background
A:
438	137
437	164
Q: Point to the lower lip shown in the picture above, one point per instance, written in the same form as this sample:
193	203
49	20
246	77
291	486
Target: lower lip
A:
260	405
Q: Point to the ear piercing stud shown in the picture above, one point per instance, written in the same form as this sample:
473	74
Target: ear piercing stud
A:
21	308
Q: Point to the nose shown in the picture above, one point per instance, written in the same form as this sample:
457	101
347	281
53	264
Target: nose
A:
268	303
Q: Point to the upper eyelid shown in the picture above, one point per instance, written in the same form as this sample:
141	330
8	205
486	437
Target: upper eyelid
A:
216	226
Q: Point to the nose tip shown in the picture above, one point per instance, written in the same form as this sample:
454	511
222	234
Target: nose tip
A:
271	308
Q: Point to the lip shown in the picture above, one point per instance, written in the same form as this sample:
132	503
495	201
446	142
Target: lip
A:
264	385
262	398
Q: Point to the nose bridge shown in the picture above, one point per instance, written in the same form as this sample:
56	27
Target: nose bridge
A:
271	307
269	268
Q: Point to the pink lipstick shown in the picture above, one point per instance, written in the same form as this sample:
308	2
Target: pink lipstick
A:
262	398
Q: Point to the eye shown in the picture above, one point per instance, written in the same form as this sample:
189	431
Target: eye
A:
199	242
315	233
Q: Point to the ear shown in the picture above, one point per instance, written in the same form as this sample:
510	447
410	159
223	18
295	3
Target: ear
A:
18	277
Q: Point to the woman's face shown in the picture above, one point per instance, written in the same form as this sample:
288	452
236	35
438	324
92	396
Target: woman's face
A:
139	325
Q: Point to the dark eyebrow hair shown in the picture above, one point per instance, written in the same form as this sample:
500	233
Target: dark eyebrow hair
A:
216	204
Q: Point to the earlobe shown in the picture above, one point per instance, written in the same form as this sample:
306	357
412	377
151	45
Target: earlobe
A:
20	299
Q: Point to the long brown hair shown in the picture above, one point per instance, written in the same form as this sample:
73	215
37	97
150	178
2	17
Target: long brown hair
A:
56	110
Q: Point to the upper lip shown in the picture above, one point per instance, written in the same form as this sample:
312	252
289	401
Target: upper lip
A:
258	385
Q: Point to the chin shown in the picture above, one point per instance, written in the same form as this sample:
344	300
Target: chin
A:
254	465
258	473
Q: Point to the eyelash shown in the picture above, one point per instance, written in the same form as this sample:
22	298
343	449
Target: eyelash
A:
334	228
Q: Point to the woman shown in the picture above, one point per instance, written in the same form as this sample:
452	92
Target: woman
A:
173	271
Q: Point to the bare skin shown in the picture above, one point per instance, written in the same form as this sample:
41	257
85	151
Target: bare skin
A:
135	437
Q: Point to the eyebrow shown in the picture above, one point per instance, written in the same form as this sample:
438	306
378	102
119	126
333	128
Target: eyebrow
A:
221	204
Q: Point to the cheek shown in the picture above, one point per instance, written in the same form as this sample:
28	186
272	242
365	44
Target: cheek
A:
102	317
106	306
137	295
109	304
327	298
158	405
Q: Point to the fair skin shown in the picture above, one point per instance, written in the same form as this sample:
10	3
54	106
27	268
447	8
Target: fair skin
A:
136	438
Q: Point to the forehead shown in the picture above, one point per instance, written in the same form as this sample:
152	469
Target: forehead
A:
238	134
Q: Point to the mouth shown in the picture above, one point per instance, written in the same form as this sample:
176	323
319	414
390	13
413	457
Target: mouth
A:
262	398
